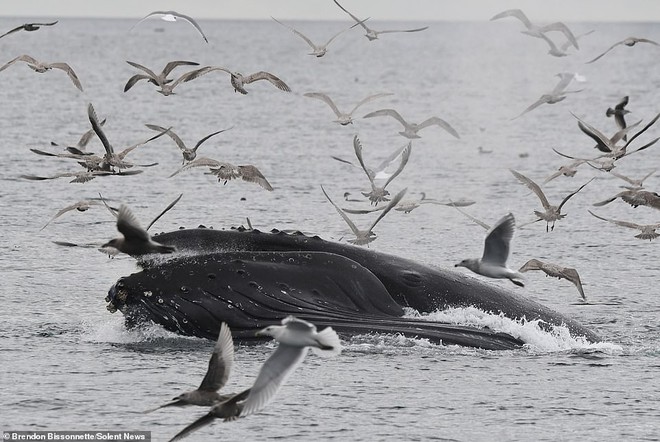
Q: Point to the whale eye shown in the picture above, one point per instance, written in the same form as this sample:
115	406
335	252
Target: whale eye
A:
412	279
211	276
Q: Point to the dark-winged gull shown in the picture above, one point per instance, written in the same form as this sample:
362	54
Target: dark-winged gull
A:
555	271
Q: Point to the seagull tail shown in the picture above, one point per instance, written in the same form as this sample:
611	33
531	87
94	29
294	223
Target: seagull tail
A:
328	343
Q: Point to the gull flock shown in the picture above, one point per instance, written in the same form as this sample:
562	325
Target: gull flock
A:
295	337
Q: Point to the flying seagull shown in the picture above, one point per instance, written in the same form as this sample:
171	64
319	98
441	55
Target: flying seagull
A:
373	34
555	96
496	252
28	27
135	240
630	41
411	129
619	111
344	118
555	271
189	154
648	231
363	237
166	85
535	30
551	213
173	16
40	67
227	171
317	50
378	193
238	80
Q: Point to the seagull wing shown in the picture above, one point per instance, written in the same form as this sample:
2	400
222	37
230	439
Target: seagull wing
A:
438	122
299	34
326	99
358	21
25	58
475	220
572	275
348	221
532	264
173	64
261	75
172	135
165	210
98	129
561	27
129	226
389	31
221	361
272	375
603	143
537	103
69	71
134	79
517	13
251	174
610	48
531	185
148	71
391	112
18	28
496	247
368	99
199	143
617	222
192	22
357	146
198	162
392	204
569	196
404	160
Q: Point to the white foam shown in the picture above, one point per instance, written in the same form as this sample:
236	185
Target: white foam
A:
113	330
551	338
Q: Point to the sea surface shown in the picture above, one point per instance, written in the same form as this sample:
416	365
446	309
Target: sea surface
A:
69	364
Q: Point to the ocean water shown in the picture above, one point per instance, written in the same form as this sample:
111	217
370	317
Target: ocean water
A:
68	364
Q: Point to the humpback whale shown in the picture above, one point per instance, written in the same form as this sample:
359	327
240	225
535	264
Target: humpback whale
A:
251	279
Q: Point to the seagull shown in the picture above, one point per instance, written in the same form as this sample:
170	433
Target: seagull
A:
28	27
226	171
568	170
635	198
556	271
295	337
152	77
648	231
317	50
40	67
372	34
634	184
472	218
411	129
112	159
83	176
344	118
166	85
188	154
363	237
384	170
80	206
496	251
135	241
407	206
555	96
216	376
239	80
619	111
173	16
552	213
630	41
604	163
535	30
378	193
608	145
